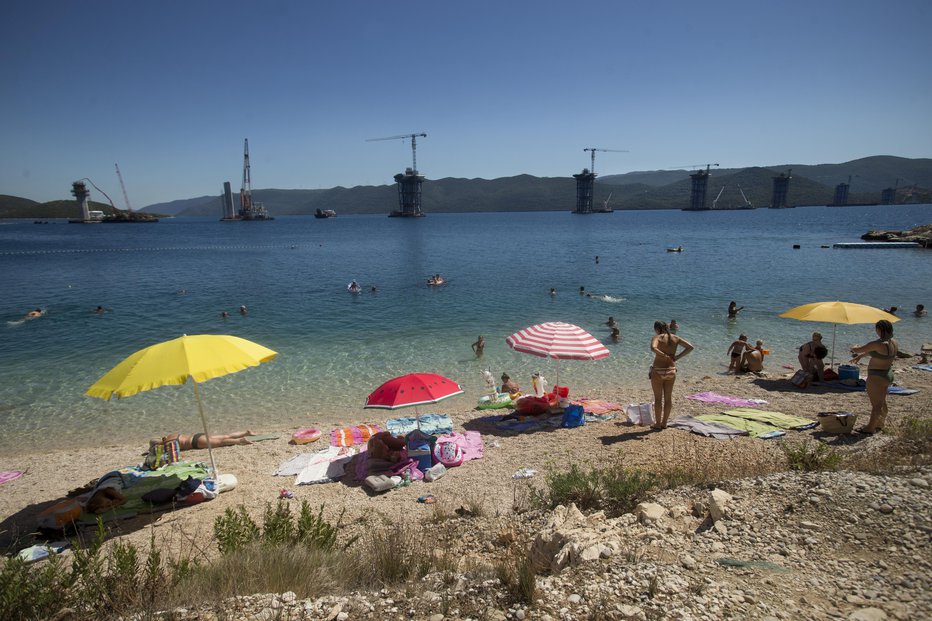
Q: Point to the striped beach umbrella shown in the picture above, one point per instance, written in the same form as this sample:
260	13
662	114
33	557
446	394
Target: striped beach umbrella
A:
558	340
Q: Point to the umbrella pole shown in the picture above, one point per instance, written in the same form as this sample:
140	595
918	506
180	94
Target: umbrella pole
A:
834	326
200	409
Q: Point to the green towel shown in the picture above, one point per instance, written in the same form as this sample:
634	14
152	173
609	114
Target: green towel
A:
267	436
754	428
777	419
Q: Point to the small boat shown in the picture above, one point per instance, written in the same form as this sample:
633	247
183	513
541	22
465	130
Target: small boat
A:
677	249
325	213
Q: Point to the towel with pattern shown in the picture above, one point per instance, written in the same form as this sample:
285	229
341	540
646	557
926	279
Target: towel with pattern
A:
350	436
431	424
324	466
714	397
752	427
777	419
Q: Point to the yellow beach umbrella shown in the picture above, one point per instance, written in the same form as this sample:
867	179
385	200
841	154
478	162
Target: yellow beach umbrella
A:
200	357
838	312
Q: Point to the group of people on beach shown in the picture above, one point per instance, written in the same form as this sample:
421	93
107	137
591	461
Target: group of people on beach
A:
745	359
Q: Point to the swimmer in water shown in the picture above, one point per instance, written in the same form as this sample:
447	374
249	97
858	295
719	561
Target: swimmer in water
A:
34	313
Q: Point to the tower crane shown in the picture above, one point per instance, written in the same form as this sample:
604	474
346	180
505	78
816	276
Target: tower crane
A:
593	149
129	208
245	192
413	138
692	166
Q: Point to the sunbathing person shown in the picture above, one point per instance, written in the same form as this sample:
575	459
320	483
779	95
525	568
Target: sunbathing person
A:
199	440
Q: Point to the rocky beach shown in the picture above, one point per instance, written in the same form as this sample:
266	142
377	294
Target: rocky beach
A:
755	540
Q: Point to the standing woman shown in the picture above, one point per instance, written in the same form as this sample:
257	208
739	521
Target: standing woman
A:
663	372
882	352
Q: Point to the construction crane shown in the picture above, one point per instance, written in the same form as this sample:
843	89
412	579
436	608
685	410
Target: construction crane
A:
245	191
413	138
718	197
593	149
129	208
692	166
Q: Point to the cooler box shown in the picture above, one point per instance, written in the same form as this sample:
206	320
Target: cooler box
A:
848	371
837	422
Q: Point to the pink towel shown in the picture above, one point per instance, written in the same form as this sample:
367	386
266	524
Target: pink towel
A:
713	397
8	475
470	443
598	406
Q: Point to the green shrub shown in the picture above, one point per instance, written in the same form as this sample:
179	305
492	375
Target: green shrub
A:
234	530
810	456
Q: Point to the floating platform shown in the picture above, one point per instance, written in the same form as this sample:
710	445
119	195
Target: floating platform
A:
877	245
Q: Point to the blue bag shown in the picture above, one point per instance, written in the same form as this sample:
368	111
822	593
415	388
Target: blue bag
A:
573	416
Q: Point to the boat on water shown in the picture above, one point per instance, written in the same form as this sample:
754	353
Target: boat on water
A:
605	208
677	249
325	213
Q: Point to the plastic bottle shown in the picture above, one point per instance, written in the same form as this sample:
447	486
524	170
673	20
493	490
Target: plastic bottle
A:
435	472
407	478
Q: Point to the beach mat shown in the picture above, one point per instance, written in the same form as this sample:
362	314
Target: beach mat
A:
714	397
777	419
261	438
892	390
923	367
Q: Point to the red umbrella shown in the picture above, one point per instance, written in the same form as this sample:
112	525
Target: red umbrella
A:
413	389
555	339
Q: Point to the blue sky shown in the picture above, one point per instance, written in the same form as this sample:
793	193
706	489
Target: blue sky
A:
170	89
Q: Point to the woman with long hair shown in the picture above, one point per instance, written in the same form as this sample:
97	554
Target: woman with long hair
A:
662	373
882	352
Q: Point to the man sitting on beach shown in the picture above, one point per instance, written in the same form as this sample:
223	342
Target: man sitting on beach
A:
199	440
753	359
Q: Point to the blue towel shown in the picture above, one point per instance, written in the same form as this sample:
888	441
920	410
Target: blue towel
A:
431	424
892	390
923	367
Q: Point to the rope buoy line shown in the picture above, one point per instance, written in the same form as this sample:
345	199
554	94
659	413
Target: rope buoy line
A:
165	249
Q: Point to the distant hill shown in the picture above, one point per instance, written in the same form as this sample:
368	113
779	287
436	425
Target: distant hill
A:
869	174
664	189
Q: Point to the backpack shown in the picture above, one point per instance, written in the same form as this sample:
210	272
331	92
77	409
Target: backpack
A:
573	416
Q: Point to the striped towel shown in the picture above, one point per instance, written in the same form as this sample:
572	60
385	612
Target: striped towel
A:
349	436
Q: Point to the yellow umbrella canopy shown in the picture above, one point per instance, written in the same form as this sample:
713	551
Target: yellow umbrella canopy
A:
200	357
838	312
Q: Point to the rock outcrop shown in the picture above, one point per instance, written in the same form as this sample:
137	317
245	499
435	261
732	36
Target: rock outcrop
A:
922	235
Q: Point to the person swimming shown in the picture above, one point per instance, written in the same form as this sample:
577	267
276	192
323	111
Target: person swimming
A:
34	313
353	287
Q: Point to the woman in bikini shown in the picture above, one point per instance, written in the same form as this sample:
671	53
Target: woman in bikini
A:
807	357
663	372
199	440
882	352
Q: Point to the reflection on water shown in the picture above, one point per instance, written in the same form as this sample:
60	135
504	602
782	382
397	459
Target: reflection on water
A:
177	277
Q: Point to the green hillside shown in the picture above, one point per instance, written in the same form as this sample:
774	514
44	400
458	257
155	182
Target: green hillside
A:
811	185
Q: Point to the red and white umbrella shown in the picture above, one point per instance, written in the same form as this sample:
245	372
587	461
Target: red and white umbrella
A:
412	390
555	339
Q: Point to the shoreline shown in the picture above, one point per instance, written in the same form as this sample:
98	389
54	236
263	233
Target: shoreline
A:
51	474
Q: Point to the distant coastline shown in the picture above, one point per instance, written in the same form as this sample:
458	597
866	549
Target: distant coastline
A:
666	189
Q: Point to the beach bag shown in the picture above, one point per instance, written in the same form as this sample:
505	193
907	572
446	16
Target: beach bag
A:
573	416
640	413
448	452
418	444
801	379
837	422
162	454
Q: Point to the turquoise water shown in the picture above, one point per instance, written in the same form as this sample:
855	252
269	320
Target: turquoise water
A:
163	280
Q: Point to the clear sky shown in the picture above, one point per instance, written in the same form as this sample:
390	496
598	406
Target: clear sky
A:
169	89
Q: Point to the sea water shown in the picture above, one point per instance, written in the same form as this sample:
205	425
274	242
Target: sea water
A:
159	281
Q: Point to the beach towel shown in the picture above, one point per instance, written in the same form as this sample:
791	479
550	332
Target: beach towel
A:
777	419
350	436
592	417
362	465
8	475
431	424
528	424
752	427
470	444
323	466
597	406
262	438
923	367
714	397
892	390
705	428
